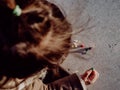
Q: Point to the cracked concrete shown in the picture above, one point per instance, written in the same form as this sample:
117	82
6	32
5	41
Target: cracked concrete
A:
105	36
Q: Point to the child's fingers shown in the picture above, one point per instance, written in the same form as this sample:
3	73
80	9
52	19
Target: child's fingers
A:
93	76
86	75
90	76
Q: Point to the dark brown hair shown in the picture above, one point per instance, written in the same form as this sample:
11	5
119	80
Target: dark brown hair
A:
40	37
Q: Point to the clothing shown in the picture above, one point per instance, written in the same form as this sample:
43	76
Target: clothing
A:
71	82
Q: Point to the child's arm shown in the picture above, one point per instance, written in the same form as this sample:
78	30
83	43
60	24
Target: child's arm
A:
72	82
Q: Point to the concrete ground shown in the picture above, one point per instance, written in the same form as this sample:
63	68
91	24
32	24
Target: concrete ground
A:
102	32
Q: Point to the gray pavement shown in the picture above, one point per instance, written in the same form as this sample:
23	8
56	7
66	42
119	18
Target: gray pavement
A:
104	36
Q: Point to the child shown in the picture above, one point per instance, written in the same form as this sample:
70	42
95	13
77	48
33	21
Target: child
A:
35	38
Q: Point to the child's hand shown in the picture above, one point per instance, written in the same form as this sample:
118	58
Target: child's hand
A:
90	76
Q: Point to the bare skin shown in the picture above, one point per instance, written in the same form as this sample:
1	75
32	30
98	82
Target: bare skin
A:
90	76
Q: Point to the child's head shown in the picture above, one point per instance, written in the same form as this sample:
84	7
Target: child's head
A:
36	39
